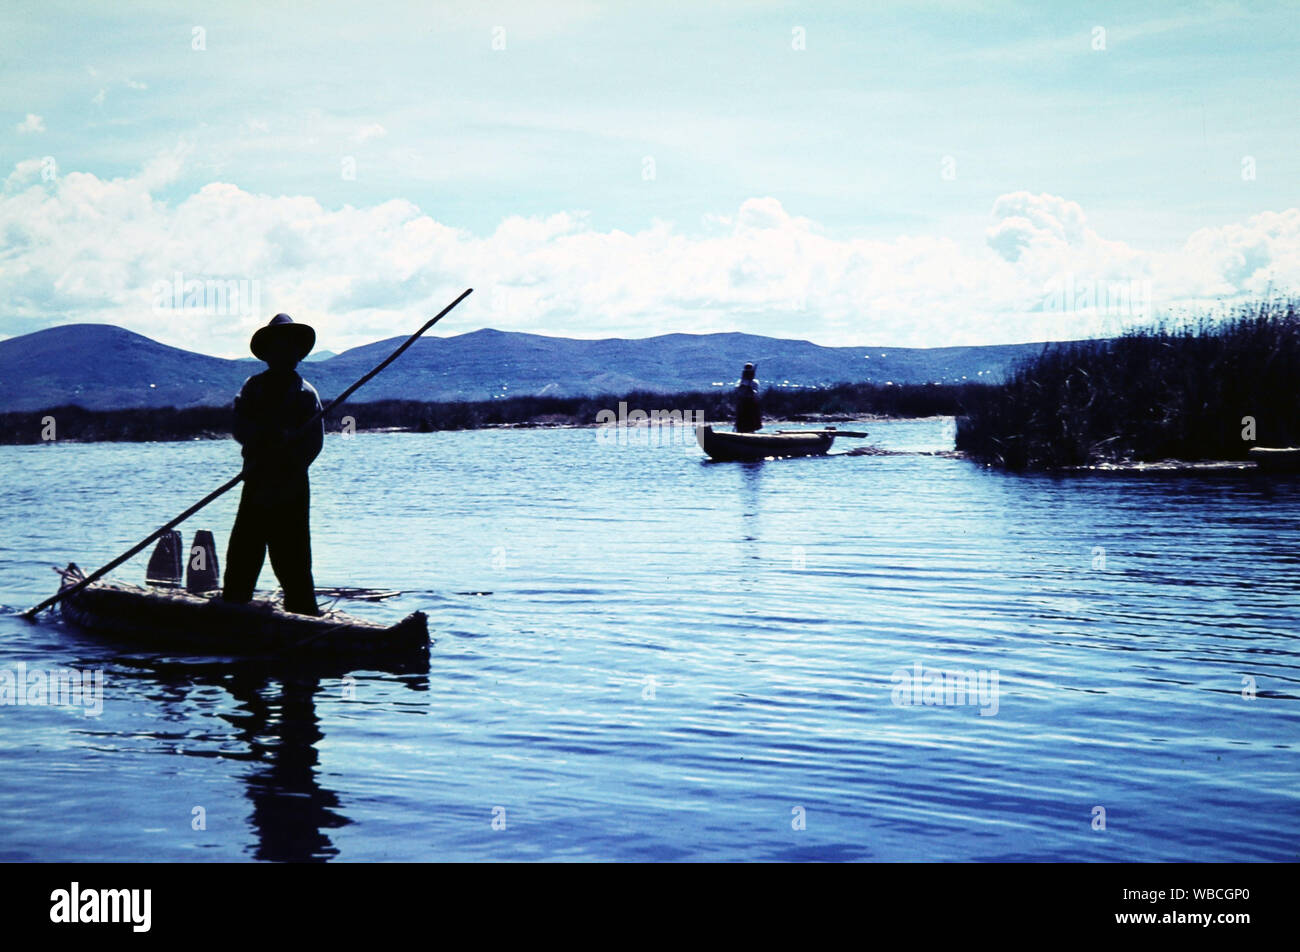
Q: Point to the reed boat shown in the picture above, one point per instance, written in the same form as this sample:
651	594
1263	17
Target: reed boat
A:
177	620
1277	459
744	447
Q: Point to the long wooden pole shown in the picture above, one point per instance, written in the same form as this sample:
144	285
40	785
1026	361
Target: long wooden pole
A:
832	432
235	481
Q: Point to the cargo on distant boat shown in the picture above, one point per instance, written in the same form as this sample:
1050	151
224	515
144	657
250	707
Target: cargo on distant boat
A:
1277	459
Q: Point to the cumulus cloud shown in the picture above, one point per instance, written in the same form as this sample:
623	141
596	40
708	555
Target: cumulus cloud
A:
1027	220
372	131
1251	257
33	123
1050	230
78	247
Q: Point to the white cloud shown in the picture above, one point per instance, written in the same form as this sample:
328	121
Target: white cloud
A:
135	84
372	131
1042	221
99	97
33	123
82	248
25	173
1253	257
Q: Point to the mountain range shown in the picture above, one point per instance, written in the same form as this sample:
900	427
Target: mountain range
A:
101	367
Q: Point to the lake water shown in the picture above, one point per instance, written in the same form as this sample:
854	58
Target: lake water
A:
683	660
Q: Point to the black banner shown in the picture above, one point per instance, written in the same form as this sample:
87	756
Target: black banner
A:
220	901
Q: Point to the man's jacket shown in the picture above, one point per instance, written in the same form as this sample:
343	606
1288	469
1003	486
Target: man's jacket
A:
271	407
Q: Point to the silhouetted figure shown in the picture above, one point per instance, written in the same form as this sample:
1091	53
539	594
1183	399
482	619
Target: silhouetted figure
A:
274	510
749	419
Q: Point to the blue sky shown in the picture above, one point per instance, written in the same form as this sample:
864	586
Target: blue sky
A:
914	174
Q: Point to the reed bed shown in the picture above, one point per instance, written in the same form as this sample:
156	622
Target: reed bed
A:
1179	390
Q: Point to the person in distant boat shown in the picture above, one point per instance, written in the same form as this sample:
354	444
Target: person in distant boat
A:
749	419
274	511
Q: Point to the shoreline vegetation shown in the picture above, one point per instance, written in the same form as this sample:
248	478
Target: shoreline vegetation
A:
1195	392
1193	396
168	424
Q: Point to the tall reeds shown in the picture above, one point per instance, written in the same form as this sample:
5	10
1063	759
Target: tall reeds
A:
1184	391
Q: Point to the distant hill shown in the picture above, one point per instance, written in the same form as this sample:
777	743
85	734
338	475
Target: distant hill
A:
100	367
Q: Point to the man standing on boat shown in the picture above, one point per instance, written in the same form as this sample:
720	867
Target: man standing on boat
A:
749	419
270	412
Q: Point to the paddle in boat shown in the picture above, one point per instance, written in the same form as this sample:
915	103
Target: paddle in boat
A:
203	623
1277	459
723	445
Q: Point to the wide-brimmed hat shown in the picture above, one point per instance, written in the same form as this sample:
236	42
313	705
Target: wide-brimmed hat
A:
281	334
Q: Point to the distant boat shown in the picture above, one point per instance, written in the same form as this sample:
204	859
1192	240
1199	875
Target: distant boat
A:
1275	459
179	621
747	447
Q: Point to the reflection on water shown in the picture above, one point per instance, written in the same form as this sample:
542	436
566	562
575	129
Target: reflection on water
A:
291	811
275	738
676	656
